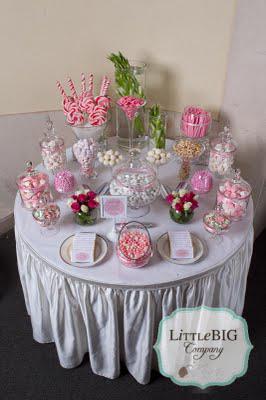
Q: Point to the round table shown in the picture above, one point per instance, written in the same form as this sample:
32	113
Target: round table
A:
113	312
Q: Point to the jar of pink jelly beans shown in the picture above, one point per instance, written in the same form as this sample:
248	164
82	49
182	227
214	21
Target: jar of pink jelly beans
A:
201	181
134	247
233	197
53	150
33	187
222	154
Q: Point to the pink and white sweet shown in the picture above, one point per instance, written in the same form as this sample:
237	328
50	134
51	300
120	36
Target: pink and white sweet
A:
216	222
134	248
53	153
201	181
85	151
195	122
130	105
64	182
34	187
233	197
85	108
222	153
46	215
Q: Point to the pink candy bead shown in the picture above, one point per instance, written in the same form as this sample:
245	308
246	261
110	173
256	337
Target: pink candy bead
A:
201	181
64	182
130	105
134	249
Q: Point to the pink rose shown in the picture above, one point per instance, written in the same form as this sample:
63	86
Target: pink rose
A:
82	198
75	207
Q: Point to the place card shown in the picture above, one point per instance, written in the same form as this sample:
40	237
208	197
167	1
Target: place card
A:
181	245
113	207
83	247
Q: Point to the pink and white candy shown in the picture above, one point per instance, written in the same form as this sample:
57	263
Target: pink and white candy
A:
64	181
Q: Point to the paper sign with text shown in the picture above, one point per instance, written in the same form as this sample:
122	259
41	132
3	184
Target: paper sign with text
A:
113	207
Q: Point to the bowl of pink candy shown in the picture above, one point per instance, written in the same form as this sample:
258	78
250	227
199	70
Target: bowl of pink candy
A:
216	222
47	216
134	247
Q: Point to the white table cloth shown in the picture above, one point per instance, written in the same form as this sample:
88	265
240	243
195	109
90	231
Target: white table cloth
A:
113	312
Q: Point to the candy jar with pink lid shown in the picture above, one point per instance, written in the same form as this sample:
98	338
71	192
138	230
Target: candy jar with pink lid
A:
222	154
134	246
47	215
52	149
136	179
233	196
33	185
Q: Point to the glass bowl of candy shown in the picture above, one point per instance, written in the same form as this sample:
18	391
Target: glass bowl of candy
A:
33	186
136	179
216	222
47	215
52	150
187	150
134	246
233	196
222	154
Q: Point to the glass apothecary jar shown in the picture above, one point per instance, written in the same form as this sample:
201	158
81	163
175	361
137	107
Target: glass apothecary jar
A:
134	246
137	180
233	196
222	154
33	187
53	150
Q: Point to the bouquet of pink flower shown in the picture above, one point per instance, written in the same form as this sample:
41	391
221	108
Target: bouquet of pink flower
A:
83	203
183	204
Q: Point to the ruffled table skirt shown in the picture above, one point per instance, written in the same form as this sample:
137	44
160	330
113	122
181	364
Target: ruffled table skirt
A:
113	323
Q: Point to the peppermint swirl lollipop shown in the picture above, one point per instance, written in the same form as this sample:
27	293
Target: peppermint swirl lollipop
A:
75	117
98	117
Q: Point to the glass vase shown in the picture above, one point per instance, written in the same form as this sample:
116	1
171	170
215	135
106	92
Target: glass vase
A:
131	133
181	217
89	218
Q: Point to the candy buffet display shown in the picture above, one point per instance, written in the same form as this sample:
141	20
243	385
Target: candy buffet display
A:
183	204
84	203
187	150
47	215
134	247
216	222
222	153
157	126
158	156
110	157
52	149
33	186
233	196
136	179
201	181
64	181
85	151
195	122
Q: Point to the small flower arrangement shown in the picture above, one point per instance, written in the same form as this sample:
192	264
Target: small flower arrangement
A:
83	203
183	204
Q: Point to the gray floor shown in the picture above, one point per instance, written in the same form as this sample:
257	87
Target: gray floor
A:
31	371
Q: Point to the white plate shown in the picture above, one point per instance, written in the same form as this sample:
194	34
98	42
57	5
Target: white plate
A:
101	248
163	248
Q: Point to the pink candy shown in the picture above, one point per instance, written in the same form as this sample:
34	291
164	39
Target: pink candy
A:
134	248
130	105
195	122
33	189
64	182
201	181
233	198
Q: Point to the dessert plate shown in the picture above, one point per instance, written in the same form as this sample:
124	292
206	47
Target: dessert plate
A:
101	248
163	248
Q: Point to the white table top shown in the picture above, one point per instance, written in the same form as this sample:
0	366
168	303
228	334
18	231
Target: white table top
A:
157	272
